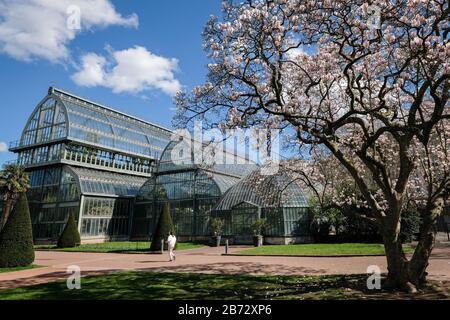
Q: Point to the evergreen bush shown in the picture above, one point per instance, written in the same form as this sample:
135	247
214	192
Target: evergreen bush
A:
163	228
16	238
70	237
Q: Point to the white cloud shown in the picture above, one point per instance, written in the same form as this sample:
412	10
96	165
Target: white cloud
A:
31	29
132	70
92	73
3	147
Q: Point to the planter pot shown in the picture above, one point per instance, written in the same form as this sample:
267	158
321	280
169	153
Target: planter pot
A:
215	241
258	241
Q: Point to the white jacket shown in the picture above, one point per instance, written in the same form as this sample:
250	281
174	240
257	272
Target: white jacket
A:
171	241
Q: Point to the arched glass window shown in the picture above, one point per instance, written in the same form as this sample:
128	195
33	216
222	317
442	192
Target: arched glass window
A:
47	123
53	195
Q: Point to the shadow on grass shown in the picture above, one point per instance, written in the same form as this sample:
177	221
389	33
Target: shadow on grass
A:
253	268
188	286
44	278
229	268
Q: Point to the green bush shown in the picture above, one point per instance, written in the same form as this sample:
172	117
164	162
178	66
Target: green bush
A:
163	228
16	238
70	237
411	221
357	229
216	225
349	226
258	226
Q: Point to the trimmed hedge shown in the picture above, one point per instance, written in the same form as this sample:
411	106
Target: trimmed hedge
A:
70	237
163	228
16	238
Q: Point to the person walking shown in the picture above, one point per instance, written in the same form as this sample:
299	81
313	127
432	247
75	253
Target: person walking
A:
171	242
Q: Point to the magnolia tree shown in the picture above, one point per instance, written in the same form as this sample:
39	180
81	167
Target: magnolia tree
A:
323	176
370	83
334	197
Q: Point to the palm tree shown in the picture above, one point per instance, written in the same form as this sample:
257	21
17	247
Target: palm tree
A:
13	181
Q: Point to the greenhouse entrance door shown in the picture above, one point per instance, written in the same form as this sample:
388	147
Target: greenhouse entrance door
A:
243	215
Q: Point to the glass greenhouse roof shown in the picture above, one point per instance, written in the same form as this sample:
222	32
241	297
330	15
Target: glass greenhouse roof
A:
265	191
96	182
173	159
224	182
104	127
181	184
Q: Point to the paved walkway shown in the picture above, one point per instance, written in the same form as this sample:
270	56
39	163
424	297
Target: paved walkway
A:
205	260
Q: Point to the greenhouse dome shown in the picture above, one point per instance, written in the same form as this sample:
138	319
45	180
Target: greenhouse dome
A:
191	190
276	198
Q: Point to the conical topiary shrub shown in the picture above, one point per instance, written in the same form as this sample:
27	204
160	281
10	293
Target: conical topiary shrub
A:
70	237
163	228
16	238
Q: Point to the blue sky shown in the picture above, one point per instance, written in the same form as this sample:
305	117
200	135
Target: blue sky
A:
164	36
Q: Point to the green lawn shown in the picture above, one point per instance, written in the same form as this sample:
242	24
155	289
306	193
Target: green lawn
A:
33	266
184	286
322	249
118	247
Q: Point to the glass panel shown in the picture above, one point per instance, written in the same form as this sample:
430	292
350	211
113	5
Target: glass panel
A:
275	222
49	223
242	218
53	195
105	217
46	124
107	183
297	221
109	129
191	196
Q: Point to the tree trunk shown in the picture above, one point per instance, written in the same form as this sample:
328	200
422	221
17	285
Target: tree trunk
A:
409	275
397	264
419	261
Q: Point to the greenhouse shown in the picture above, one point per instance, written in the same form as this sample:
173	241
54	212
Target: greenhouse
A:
234	192
192	190
113	172
278	199
87	160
